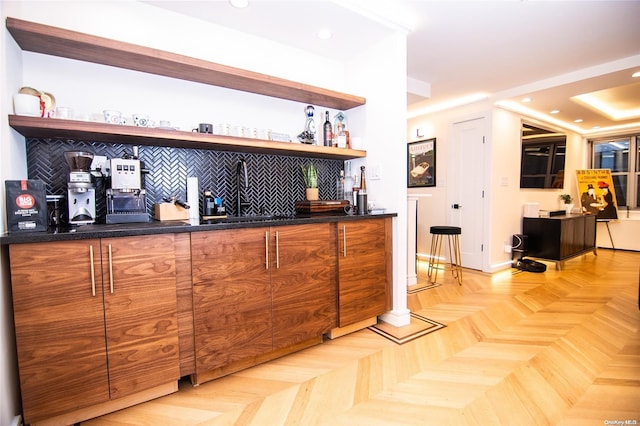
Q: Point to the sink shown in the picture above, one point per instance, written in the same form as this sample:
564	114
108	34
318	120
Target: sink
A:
247	218
259	218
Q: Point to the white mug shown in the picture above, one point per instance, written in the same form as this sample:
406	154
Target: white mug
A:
24	104
140	120
112	116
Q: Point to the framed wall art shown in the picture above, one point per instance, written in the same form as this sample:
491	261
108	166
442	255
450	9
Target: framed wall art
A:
421	163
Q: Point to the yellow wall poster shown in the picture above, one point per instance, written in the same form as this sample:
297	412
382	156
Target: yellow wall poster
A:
597	194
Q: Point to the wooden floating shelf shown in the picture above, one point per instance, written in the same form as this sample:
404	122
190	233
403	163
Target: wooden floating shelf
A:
55	41
51	128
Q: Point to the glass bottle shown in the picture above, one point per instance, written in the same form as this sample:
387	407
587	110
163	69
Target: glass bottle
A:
340	186
341	136
209	204
348	188
327	130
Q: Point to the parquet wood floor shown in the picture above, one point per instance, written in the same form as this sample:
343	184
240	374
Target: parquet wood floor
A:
553	348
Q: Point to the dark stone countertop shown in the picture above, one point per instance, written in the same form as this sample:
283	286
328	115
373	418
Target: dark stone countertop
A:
84	232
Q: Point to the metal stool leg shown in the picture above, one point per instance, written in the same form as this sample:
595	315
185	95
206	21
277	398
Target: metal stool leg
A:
434	259
456	258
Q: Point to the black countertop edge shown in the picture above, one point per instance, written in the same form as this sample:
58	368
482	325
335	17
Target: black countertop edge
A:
85	232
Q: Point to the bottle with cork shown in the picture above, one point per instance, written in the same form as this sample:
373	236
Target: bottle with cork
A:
362	193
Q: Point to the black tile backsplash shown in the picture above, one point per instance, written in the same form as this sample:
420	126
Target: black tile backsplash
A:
275	182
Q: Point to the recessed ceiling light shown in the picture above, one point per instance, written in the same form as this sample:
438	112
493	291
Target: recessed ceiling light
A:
579	120
595	127
636	74
325	34
240	4
525	100
555	111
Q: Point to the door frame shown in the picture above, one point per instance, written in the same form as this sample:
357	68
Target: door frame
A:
452	193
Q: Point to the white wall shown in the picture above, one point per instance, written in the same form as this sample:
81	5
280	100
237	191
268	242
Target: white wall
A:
90	88
379	73
432	209
620	234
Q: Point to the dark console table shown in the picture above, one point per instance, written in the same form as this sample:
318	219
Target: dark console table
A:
560	238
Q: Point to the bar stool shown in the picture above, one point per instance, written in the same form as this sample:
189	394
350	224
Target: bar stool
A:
455	259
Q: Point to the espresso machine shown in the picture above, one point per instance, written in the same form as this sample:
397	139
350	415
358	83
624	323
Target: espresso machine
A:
126	199
81	193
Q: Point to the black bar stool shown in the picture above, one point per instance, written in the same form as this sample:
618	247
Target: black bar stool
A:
455	259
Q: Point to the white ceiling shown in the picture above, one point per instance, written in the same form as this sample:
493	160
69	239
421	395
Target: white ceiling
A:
549	51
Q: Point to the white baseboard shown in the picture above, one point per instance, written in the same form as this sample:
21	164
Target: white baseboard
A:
397	318
17	421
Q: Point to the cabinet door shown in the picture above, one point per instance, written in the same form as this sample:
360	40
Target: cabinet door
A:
362	270
139	277
303	282
59	323
231	296
571	236
544	237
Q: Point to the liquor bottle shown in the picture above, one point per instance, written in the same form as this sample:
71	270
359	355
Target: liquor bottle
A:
363	206
341	136
363	181
348	185
340	186
355	189
327	130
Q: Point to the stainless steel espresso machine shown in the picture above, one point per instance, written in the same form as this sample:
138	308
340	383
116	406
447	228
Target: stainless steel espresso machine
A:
126	199
81	193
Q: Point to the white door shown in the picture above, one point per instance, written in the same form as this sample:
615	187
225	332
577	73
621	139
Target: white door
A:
466	188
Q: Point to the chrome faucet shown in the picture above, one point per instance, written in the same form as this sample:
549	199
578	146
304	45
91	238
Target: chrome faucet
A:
241	169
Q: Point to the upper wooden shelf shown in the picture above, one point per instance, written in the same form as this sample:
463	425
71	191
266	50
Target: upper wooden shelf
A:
36	127
50	40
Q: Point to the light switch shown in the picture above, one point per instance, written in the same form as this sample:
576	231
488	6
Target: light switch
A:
375	172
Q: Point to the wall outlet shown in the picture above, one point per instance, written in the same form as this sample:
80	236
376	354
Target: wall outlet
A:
507	248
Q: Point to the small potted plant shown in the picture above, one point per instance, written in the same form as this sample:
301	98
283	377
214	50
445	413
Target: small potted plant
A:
568	202
310	176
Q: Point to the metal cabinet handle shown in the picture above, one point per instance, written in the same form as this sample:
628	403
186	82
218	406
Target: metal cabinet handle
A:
93	273
344	240
277	250
266	249
110	270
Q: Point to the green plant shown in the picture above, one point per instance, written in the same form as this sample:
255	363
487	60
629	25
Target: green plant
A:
566	198
310	176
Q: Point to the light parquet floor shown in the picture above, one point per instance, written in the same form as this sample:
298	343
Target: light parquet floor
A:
553	348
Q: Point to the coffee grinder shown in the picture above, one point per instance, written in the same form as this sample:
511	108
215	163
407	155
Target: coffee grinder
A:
126	199
81	192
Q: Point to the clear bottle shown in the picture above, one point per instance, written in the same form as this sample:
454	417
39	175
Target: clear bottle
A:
340	186
348	188
341	135
327	130
354	190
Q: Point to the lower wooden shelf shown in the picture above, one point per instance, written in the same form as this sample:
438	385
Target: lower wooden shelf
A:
36	127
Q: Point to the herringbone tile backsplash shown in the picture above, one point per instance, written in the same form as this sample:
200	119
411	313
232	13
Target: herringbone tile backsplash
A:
275	182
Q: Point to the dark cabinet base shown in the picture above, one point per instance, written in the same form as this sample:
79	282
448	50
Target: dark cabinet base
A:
560	238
